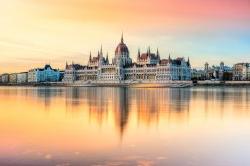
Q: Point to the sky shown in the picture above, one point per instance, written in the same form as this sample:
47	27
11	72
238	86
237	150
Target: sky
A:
36	32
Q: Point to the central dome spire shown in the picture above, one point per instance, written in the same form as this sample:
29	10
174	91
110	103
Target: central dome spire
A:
122	38
121	49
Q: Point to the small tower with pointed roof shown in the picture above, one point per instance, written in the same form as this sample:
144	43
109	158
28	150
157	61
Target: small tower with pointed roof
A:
158	54
169	58
107	59
90	56
101	51
67	66
138	54
188	62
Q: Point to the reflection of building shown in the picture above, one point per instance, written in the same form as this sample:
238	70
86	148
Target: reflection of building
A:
22	77
241	71
46	74
149	66
120	107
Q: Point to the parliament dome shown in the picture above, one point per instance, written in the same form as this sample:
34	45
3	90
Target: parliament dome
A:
121	49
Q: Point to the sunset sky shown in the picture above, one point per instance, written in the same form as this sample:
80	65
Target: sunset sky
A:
35	32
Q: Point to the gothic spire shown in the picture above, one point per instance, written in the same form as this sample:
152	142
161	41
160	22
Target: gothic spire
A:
101	50
149	53
169	58
107	58
90	57
157	53
139	54
66	65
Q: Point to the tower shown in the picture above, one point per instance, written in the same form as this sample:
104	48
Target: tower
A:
107	59
122	54
169	59
158	54
206	67
138	54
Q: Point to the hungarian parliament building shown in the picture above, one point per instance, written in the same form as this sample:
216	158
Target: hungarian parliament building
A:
148	68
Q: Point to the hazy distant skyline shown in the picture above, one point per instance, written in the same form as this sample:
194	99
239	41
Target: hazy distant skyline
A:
35	32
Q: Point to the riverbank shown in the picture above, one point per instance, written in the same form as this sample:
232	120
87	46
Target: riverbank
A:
222	83
171	84
135	85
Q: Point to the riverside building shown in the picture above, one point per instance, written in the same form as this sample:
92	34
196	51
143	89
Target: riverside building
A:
5	78
220	73
241	71
13	78
148	68
22	77
46	74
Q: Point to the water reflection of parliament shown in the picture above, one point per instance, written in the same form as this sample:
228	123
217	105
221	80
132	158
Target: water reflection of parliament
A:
147	106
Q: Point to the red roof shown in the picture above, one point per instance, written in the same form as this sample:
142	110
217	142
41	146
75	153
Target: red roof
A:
121	49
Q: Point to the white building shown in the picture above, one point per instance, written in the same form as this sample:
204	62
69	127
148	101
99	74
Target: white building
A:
46	74
220	72
5	78
22	77
13	78
241	71
148	68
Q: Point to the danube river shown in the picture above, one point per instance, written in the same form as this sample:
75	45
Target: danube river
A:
125	126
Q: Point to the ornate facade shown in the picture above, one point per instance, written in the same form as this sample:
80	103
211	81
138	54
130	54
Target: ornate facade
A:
149	67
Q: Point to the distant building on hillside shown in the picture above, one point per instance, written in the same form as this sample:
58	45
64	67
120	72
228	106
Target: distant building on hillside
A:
241	71
22	77
46	74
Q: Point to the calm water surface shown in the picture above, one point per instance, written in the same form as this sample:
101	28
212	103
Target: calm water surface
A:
122	126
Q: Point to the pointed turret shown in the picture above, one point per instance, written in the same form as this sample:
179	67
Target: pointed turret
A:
98	54
158	54
90	56
101	51
100	57
67	66
139	54
148	51
169	58
107	58
188	62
